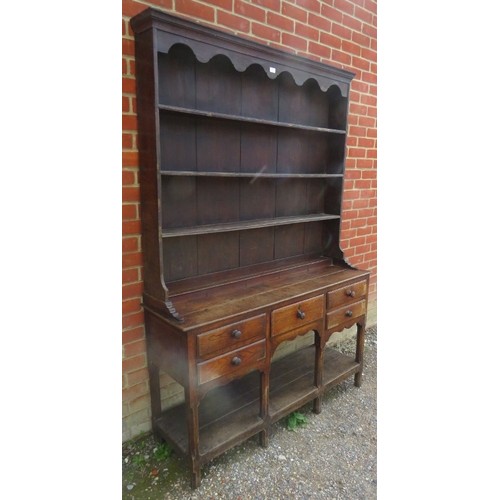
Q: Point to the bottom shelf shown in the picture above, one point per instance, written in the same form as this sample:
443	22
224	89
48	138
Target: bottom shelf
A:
230	414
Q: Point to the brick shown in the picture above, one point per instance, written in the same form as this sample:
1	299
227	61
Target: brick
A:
354	242
330	40
128	85
127	141
366	212
131	306
129	122
351	22
126	107
351	195
130	275
130	244
370	100
369	54
350	214
357	152
320	50
311	5
330	13
352	174
131	227
134	319
265	32
128	178
307	31
341	57
137	376
132	290
360	86
134	348
134	392
357	131
130	159
134	363
362	249
294	12
360	39
370	5
269	4
223	4
364	163
363	184
369	30
362	64
369	174
344	6
372	238
133	259
358	109
128	47
249	11
195	9
360	203
130	194
366	121
363	14
237	23
133	334
319	22
129	212
279	21
358	223
293	41
351	141
366	143
341	31
131	8
368	193
350	47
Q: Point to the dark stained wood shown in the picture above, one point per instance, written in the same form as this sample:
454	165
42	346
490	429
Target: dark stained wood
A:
242	153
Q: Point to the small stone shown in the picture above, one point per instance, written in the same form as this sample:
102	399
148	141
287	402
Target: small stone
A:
130	487
281	457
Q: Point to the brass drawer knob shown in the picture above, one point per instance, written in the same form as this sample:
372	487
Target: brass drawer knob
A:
350	293
236	361
236	334
301	314
348	313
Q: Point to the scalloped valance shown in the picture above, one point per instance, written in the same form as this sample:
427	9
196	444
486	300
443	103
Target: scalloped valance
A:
241	52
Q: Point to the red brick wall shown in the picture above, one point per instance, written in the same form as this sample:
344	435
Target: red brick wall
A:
338	32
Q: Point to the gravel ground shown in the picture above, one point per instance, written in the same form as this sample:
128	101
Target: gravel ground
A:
332	456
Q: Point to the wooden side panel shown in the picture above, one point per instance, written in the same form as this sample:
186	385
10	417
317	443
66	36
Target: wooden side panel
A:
218	86
176	77
218	252
178	142
180	258
178	209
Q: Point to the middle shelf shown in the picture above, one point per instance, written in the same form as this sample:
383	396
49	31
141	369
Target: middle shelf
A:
224	227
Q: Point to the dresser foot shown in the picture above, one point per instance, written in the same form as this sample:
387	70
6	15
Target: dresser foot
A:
358	379
196	477
317	405
264	438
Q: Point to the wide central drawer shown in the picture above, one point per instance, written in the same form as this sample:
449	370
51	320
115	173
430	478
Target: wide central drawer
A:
297	314
240	360
232	336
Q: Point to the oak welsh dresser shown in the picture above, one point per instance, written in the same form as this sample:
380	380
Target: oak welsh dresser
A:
242	152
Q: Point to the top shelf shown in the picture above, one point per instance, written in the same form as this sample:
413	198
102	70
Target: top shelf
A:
245	119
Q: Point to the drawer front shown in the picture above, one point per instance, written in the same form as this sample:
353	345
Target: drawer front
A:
346	295
339	316
243	360
232	336
297	314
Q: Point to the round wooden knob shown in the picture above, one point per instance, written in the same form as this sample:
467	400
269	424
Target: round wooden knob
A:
348	313
236	334
236	361
350	293
301	314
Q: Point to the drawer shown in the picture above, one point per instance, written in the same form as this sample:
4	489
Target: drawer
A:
241	360
297	314
339	316
232	336
345	295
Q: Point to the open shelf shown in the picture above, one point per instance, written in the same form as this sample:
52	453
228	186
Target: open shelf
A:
192	173
246	119
225	227
229	412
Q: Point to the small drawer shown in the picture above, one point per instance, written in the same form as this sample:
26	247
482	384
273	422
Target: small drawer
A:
345	295
297	314
339	316
232	336
242	360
